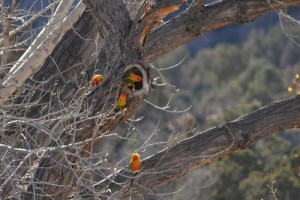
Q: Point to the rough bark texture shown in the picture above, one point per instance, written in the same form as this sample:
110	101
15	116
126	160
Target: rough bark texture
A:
6	43
172	163
34	57
106	40
199	20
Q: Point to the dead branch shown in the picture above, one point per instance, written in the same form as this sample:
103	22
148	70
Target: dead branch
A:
97	43
6	43
172	163
198	20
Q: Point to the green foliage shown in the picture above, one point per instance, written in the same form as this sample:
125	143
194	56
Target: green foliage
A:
257	184
269	46
223	83
251	171
258	85
295	158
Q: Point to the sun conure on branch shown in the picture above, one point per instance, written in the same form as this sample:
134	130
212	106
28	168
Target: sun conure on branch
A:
121	102
97	79
135	165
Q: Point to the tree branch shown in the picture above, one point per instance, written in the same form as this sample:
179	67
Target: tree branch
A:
79	49
29	21
6	43
36	54
150	15
173	163
198	20
114	32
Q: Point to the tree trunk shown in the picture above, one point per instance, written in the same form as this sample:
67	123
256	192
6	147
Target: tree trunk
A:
58	117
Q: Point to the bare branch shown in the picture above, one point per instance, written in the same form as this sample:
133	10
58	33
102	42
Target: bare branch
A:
41	48
198	20
37	15
6	43
150	15
173	163
63	80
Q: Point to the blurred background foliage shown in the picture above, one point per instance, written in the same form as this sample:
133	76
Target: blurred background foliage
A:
222	83
223	75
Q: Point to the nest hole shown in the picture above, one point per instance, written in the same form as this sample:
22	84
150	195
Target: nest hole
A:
133	78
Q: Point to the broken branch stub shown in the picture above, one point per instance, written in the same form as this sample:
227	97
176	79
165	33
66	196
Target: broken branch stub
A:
151	15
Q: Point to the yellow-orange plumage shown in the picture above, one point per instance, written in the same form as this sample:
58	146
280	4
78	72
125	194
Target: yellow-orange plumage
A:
132	77
135	163
97	79
121	102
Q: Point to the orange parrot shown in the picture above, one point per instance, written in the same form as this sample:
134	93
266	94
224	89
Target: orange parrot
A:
121	102
135	164
132	77
97	79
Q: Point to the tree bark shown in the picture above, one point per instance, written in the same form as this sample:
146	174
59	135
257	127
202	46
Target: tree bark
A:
6	42
105	40
172	163
198	20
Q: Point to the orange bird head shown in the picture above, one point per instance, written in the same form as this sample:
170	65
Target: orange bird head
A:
135	156
123	96
135	77
121	101
132	77
97	79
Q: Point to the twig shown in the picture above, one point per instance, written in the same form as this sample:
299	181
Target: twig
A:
25	24
6	43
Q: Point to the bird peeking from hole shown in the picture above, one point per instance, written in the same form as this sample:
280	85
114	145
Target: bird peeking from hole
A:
133	81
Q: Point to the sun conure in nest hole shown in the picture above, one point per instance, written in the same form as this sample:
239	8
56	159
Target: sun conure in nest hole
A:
132	77
133	81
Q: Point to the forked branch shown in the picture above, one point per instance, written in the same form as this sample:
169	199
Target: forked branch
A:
173	163
198	20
